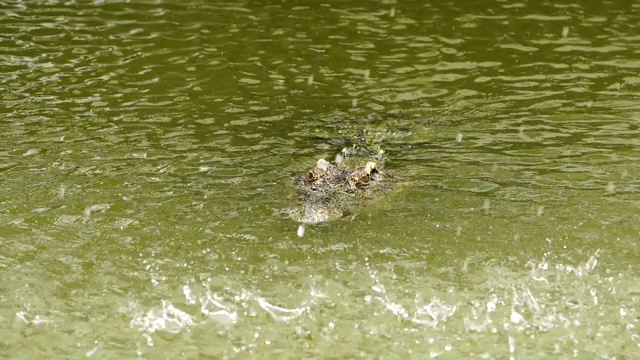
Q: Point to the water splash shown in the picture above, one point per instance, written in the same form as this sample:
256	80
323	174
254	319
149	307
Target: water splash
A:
167	318
280	313
96	208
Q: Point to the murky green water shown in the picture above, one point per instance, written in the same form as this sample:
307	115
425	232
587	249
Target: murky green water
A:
147	149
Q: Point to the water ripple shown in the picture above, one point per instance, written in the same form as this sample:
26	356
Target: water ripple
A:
148	146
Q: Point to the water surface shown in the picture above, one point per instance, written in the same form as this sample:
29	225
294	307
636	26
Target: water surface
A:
148	148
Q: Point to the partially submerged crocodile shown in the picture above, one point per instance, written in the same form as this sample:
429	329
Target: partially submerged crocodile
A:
331	190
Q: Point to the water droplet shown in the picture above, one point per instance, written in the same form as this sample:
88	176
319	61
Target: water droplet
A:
611	187
93	351
491	306
486	205
31	152
512	348
516	318
61	191
96	208
592	262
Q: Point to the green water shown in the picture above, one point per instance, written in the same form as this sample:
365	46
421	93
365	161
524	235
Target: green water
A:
147	151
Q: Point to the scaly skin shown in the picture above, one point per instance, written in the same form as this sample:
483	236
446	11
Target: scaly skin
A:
331	190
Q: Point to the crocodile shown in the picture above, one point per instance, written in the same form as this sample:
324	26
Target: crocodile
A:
330	191
333	190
